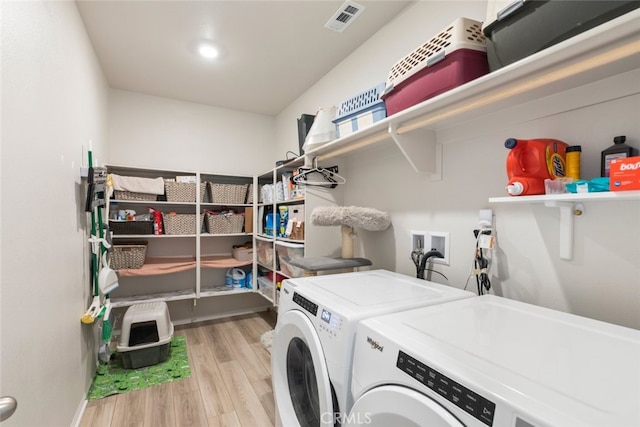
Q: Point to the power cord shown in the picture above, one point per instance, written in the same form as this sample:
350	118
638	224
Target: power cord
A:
482	278
416	257
481	261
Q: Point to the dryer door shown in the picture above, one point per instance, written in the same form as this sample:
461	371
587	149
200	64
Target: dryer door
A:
301	386
397	406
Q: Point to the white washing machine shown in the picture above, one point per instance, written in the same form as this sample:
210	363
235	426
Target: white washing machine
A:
312	347
489	361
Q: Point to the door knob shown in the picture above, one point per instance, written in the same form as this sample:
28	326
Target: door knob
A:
8	406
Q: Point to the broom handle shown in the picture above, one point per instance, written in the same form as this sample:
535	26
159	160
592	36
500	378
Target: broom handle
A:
95	256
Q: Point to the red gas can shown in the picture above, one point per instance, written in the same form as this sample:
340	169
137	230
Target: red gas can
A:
531	161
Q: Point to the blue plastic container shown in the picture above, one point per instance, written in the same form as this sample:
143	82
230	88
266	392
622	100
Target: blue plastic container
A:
360	111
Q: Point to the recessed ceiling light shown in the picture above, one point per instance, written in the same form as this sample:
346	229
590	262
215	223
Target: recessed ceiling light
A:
208	51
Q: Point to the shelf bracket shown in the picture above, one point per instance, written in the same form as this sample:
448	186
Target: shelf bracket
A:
421	149
567	211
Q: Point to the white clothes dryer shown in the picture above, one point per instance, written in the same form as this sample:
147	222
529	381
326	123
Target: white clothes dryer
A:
312	347
490	361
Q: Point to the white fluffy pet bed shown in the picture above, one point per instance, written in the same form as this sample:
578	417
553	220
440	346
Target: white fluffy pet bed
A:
350	217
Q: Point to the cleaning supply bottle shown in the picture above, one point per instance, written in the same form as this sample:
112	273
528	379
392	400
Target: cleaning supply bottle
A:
618	150
283	220
235	278
531	161
157	221
573	162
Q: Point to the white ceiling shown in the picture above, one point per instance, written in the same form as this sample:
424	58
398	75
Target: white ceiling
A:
273	50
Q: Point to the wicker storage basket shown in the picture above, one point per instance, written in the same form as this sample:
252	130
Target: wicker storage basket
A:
179	223
183	191
131	227
250	194
129	256
130	195
218	223
228	193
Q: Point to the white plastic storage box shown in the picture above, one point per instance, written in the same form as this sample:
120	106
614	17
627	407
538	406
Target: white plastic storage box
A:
285	252
146	335
264	252
454	56
265	286
360	111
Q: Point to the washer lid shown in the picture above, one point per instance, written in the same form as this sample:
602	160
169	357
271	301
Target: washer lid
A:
378	288
578	367
392	405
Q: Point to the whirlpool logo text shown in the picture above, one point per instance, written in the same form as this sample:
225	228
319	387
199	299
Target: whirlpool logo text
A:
375	344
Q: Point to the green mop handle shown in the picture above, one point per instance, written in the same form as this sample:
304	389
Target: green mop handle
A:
93	233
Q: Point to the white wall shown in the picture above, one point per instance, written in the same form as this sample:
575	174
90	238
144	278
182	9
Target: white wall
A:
602	281
54	100
149	131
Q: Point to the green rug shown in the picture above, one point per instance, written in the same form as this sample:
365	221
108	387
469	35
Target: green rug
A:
112	378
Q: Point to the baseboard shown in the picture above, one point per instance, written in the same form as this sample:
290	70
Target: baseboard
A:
77	418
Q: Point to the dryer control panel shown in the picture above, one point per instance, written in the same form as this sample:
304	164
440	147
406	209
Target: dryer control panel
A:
308	305
468	400
331	323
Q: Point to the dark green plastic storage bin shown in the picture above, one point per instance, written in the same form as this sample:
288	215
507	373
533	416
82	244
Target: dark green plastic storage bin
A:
527	27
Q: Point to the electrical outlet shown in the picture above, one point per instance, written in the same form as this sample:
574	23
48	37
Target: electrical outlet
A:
485	218
418	239
438	240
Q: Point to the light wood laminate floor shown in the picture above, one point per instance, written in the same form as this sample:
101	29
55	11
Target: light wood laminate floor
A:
230	383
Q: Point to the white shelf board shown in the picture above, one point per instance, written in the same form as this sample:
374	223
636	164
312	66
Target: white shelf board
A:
608	50
224	234
222	290
265	238
569	197
166	296
147	202
152	236
286	240
226	205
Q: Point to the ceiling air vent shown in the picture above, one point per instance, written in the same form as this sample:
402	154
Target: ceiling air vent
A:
347	13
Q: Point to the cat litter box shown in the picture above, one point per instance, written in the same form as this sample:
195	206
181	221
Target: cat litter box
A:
146	335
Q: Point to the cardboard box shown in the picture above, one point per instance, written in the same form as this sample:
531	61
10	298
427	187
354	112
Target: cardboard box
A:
248	220
624	174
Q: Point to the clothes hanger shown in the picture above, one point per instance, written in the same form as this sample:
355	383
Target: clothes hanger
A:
331	178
